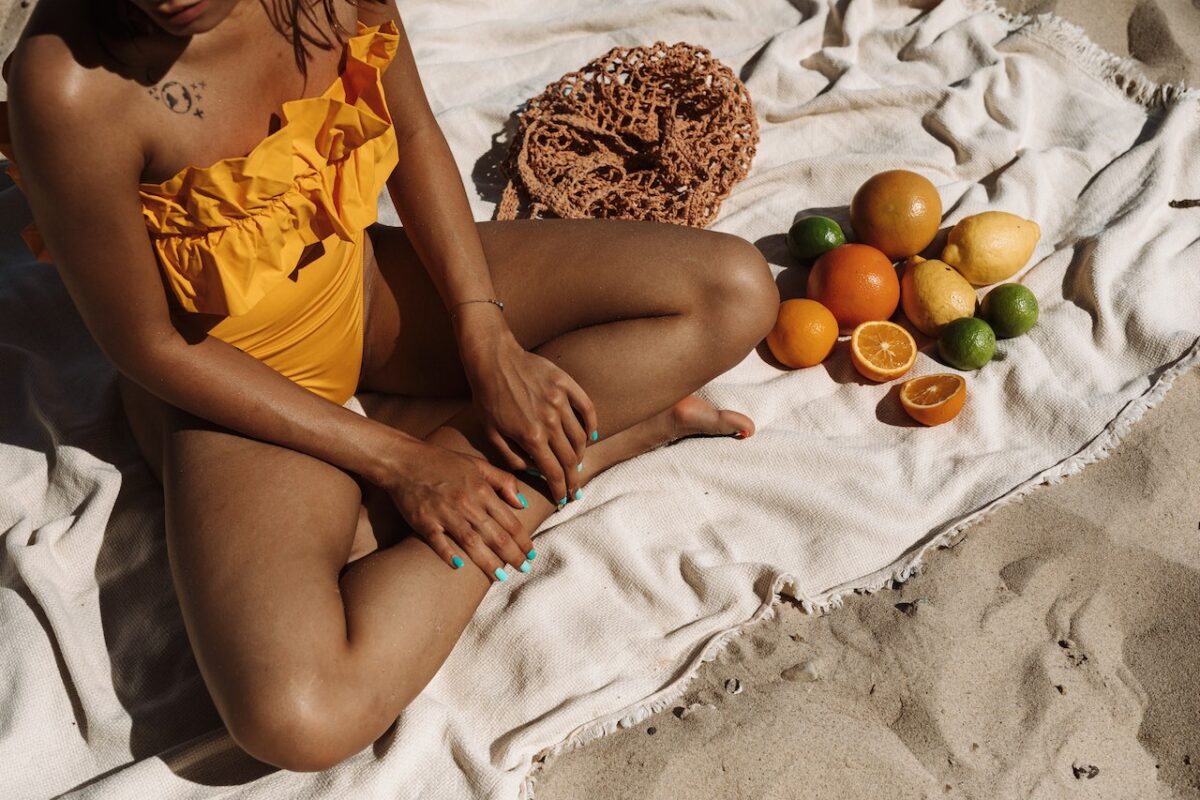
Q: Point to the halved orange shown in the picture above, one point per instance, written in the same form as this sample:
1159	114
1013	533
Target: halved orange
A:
882	350
934	399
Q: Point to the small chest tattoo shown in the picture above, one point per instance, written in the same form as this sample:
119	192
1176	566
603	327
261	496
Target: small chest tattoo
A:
180	98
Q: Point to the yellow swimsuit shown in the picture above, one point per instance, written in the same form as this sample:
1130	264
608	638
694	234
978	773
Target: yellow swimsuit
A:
229	237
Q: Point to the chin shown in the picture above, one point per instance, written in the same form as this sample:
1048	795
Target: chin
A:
190	17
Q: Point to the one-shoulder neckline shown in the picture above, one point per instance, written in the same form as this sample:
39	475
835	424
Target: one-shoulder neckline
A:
361	31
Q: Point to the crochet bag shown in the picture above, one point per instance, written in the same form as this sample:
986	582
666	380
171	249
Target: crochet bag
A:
660	133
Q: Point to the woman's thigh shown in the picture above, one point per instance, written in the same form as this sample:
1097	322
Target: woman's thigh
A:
378	522
554	276
256	537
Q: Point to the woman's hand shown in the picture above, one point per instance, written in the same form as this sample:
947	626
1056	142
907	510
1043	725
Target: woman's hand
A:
525	400
445	495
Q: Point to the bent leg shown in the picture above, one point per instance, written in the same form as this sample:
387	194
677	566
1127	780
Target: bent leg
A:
640	314
306	664
307	660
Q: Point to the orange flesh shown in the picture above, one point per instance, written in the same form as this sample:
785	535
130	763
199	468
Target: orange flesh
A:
931	390
884	347
934	399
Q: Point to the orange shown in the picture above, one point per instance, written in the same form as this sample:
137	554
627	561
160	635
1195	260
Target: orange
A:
934	399
857	283
804	333
882	350
897	211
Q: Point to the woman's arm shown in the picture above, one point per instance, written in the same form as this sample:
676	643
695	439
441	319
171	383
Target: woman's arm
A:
85	201
521	396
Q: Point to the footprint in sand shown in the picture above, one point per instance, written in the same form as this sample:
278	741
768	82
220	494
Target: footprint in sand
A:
1018	574
1152	42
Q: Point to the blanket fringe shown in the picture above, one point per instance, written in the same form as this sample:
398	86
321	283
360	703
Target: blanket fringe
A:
1073	42
1125	75
890	577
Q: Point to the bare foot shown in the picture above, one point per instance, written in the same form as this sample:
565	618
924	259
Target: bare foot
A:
694	415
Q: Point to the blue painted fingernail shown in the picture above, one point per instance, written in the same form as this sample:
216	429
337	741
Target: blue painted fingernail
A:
501	574
525	567
562	502
524	502
531	555
458	562
579	494
534	473
579	467
595	435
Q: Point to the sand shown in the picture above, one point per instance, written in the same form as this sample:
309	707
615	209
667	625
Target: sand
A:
1050	653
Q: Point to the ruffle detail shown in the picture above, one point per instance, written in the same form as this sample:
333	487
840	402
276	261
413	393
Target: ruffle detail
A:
226	234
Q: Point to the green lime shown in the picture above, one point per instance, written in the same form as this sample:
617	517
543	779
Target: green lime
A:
809	237
1011	309
967	343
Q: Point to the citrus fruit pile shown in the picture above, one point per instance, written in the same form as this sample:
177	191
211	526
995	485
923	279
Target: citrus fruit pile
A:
853	289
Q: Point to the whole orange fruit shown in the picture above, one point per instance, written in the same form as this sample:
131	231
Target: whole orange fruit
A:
857	283
897	211
804	333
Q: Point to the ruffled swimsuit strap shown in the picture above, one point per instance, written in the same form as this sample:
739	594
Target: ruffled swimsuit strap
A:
226	234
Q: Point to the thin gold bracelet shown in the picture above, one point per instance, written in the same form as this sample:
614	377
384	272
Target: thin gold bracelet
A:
492	300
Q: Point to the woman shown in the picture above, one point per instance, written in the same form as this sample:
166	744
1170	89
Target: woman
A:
245	302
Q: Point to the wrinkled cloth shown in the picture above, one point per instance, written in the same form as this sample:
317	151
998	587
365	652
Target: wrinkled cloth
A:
670	554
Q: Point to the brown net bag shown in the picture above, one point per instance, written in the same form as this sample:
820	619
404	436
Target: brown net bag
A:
660	133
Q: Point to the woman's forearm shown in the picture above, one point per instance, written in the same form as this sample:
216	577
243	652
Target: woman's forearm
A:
216	381
432	204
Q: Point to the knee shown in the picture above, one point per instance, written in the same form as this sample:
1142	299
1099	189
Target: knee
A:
297	730
742	295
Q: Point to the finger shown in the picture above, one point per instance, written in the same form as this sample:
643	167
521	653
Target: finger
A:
511	524
499	540
566	458
440	543
504	450
574	432
503	484
552	471
518	532
583	404
475	546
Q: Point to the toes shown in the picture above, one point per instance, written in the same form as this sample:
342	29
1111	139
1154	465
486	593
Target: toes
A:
694	415
736	423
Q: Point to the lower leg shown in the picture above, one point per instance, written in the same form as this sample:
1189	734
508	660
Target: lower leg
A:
380	525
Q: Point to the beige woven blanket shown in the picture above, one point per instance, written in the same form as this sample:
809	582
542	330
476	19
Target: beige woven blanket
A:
674	551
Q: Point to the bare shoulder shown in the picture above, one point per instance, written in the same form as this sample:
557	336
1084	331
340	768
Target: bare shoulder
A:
58	82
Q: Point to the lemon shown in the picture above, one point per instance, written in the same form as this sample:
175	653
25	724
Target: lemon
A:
933	294
967	343
1010	309
991	247
811	236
